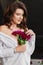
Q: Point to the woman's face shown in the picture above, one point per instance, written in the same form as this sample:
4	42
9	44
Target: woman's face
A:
18	16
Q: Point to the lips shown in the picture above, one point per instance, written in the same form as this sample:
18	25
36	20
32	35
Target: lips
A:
19	20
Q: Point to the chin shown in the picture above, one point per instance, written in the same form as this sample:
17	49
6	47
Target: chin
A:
19	22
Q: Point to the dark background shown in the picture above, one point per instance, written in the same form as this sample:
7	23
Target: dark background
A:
34	21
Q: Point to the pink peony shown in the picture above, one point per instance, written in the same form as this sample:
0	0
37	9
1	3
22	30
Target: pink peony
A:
22	35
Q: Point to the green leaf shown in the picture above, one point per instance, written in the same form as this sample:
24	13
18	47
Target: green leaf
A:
21	41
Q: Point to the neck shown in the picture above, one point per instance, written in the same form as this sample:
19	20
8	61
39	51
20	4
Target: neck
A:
13	26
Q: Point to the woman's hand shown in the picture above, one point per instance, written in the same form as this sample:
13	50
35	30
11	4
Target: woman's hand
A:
30	32
20	48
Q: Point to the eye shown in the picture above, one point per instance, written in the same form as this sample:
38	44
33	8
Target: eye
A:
17	14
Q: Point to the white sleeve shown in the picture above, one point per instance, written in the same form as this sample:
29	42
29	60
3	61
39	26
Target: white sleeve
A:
5	52
30	45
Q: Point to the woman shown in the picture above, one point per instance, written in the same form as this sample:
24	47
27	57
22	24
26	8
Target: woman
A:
10	51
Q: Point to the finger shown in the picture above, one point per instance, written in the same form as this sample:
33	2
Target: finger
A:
28	33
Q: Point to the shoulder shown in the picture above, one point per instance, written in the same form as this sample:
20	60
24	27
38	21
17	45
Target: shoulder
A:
5	29
0	27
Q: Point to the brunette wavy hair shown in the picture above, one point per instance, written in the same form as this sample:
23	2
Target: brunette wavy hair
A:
10	11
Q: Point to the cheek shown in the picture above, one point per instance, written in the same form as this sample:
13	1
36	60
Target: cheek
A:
16	17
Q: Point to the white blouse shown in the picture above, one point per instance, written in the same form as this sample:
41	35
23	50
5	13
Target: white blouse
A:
7	43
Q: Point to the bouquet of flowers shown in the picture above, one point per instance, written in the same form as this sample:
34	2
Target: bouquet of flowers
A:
22	36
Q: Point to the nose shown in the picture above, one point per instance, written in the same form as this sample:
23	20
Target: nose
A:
21	17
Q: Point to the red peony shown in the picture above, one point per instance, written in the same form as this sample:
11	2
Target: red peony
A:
22	36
